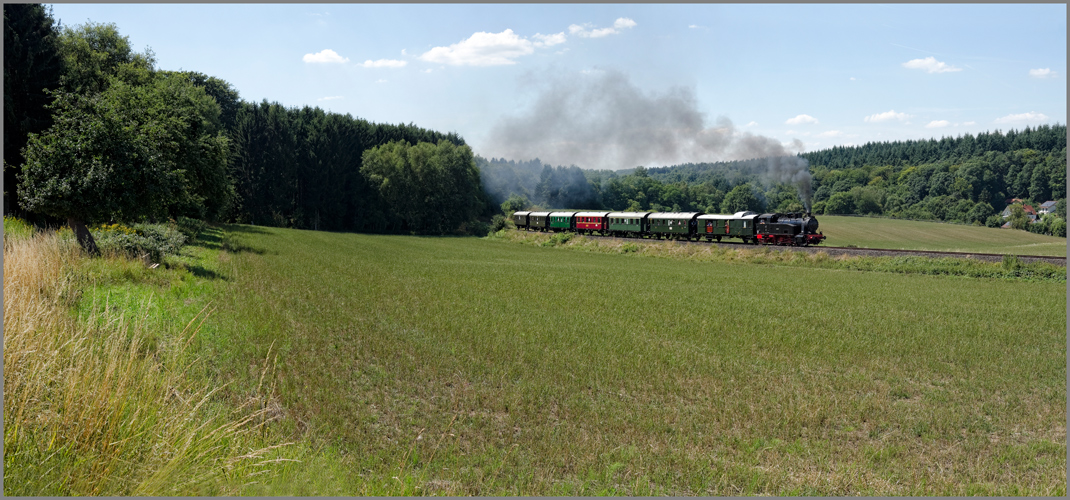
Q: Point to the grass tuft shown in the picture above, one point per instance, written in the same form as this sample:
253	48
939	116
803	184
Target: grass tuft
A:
92	407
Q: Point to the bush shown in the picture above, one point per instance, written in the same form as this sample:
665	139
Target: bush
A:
478	228
498	222
155	240
190	228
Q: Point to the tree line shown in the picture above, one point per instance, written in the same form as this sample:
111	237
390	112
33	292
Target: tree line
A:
966	179
95	132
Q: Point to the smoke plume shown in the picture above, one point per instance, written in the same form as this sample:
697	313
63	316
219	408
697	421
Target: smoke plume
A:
602	121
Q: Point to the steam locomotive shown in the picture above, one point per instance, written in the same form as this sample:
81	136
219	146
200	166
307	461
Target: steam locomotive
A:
795	229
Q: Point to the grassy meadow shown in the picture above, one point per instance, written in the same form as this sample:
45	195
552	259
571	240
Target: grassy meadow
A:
898	234
465	366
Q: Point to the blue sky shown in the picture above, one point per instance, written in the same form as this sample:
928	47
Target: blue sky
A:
806	77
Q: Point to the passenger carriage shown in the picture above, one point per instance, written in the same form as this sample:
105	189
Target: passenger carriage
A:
562	221
718	226
589	222
627	224
520	219
673	224
539	221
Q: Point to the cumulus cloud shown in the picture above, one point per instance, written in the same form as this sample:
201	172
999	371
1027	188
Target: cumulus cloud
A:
1030	117
325	56
798	120
887	115
930	65
482	49
549	40
384	63
937	124
1042	73
586	30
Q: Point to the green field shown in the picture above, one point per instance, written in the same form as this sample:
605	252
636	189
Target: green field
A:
871	232
465	366
468	366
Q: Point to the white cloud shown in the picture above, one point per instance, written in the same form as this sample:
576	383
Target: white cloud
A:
1042	73
887	115
482	49
585	30
428	70
325	56
852	78
384	63
549	40
381	81
937	124
331	98
830	133
801	119
931	65
696	27
970	123
751	124
1030	117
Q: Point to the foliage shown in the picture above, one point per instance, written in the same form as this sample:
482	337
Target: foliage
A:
190	228
965	179
153	240
513	204
499	222
301	167
157	137
32	66
94	54
424	188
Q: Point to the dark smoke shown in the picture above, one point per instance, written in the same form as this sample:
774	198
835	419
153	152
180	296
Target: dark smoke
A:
603	121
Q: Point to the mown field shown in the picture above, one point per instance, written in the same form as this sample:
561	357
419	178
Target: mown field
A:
464	366
871	232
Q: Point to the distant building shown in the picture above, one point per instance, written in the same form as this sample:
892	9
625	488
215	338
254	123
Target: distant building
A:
1032	214
1047	207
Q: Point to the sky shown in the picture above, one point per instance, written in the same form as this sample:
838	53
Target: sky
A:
619	85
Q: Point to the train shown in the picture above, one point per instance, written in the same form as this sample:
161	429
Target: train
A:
792	229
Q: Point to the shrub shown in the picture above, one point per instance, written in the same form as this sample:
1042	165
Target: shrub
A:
498	222
155	240
190	228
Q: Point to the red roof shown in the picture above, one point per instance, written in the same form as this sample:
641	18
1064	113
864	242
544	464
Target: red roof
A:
1029	209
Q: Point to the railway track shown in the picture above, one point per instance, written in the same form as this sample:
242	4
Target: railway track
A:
869	252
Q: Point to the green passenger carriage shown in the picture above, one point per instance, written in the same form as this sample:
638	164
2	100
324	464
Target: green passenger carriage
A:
717	226
627	223
562	221
672	224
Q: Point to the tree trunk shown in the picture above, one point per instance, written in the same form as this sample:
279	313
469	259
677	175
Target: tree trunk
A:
85	238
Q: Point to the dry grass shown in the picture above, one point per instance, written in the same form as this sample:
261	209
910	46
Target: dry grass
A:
92	409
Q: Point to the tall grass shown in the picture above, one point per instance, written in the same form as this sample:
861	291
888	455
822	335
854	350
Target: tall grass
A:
91	409
15	228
